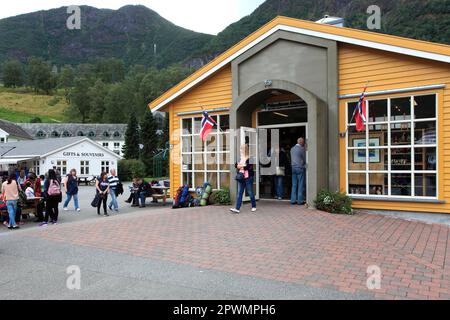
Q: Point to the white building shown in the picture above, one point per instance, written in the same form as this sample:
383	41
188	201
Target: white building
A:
80	153
11	132
110	136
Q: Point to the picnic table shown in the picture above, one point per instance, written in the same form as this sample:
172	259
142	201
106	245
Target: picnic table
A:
162	195
31	206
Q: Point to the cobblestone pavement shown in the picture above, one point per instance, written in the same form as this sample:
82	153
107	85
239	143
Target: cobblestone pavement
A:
281	243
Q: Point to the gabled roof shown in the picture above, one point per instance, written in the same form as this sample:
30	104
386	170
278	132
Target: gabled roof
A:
411	47
14	130
44	147
74	129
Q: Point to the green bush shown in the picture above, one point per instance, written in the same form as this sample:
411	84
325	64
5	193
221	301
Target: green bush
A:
334	202
54	101
129	169
221	197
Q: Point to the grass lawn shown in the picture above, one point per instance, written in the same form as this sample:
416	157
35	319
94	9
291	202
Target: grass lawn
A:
21	105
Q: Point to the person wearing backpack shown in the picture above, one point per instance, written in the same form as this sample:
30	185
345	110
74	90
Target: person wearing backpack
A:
53	196
71	188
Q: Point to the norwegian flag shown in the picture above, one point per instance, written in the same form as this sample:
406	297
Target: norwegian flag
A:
361	112
208	124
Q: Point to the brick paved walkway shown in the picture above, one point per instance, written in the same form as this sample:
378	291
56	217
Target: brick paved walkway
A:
282	243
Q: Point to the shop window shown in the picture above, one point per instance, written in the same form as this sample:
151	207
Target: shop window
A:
37	167
205	161
396	156
84	167
105	166
61	166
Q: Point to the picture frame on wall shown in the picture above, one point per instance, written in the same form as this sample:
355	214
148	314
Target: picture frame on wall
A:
359	156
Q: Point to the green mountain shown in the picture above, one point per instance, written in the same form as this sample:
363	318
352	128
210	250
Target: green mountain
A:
128	33
420	19
131	32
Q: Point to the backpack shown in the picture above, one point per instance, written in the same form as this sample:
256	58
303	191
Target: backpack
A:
54	188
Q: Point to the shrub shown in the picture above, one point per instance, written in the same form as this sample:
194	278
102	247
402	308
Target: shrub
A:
54	101
129	169
221	197
334	202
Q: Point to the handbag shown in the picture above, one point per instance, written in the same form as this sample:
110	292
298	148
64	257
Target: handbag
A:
96	200
280	171
240	177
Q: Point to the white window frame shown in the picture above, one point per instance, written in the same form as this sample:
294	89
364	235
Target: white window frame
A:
105	165
61	166
219	153
85	166
389	122
37	167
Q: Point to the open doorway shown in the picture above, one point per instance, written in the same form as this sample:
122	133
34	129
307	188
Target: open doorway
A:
288	136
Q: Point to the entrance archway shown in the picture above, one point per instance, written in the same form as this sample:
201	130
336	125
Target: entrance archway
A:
242	114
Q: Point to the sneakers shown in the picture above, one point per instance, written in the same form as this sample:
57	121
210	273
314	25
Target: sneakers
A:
253	209
13	227
43	224
65	209
235	211
78	210
54	222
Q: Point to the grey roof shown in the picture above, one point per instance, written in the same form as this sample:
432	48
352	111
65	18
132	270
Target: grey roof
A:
14	130
97	131
37	147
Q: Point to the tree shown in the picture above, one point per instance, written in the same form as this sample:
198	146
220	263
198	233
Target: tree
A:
118	103
13	74
97	95
66	80
79	98
131	147
40	76
149	140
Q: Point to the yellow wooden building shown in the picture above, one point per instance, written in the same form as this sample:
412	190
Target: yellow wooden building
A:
295	78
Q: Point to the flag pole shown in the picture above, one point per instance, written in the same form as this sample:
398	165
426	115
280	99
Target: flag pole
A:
344	134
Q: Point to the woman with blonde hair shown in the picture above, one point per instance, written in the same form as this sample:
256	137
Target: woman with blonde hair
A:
245	175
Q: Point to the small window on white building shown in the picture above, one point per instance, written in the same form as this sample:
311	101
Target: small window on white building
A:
116	145
106	144
61	166
84	167
37	167
105	166
2	140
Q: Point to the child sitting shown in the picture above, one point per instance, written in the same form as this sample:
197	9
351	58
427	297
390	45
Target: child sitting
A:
29	192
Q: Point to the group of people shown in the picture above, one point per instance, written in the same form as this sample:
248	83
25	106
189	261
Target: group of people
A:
140	190
298	165
47	191
45	188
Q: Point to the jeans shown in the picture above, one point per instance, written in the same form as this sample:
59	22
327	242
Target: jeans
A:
247	184
113	203
279	186
75	200
298	185
12	208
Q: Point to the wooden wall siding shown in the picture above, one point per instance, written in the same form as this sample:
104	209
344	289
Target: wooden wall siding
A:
214	92
394	71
